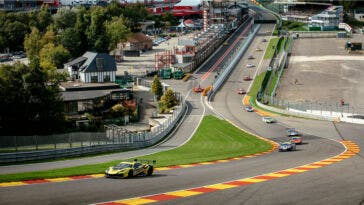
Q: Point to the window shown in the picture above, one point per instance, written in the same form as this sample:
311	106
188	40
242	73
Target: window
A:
94	79
99	64
106	78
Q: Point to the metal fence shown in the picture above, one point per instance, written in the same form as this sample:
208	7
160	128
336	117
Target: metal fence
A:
315	34
27	148
332	109
56	141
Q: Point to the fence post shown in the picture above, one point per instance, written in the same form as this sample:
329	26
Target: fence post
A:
69	140
55	142
15	143
36	142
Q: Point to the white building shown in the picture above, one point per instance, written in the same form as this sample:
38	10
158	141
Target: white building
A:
79	2
92	67
328	19
359	14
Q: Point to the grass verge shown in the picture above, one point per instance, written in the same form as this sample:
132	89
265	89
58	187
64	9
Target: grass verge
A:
215	139
271	48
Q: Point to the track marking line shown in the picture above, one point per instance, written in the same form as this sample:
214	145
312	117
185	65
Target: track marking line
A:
136	201
184	193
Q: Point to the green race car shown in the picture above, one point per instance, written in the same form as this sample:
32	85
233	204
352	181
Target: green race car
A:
129	169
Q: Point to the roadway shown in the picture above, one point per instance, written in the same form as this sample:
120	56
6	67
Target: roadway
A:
339	183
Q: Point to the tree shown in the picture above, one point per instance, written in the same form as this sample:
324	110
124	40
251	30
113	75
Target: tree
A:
30	99
32	44
114	9
43	19
15	32
157	88
168	17
169	100
81	25
118	110
135	13
53	57
70	39
95	31
64	18
117	31
49	36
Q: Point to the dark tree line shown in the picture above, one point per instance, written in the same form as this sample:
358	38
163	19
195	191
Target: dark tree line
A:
30	100
78	29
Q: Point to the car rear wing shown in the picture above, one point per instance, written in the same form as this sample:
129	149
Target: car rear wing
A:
146	161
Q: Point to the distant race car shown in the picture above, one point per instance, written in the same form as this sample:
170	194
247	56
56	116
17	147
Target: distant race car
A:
249	65
264	40
259	49
268	119
198	89
292	132
247	78
129	169
241	91
287	146
248	108
296	140
250	57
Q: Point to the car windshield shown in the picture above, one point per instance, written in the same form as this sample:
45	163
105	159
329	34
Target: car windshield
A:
285	143
122	166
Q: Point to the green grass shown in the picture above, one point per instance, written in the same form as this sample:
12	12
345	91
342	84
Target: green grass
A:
293	26
273	83
271	48
256	85
215	139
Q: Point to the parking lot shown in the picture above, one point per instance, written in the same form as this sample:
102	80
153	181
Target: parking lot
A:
321	70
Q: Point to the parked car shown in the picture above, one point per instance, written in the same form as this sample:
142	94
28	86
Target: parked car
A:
268	119
249	65
250	57
248	108
129	169
259	49
287	146
296	140
241	91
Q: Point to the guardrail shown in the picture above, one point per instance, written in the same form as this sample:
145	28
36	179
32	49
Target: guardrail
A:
129	141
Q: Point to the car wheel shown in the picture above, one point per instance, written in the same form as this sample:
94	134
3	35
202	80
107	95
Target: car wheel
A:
150	171
130	174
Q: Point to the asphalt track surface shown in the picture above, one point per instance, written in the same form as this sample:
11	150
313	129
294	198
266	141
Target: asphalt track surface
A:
339	183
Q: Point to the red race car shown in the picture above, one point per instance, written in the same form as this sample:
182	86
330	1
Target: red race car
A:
241	91
197	89
296	140
247	78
